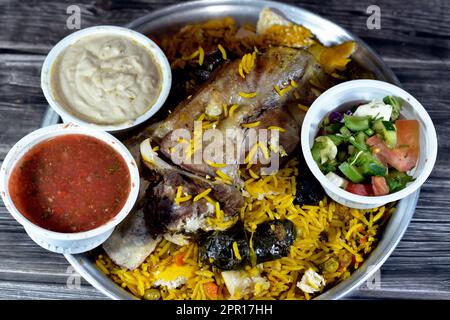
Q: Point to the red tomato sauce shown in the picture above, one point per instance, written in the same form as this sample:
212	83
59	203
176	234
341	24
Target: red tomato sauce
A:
71	183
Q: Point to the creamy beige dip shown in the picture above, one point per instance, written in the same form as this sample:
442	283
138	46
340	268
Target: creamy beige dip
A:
106	79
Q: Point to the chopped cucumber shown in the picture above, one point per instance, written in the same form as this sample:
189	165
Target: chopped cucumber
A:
355	123
368	165
337	139
387	130
361	138
351	172
373	169
345	132
369	132
357	144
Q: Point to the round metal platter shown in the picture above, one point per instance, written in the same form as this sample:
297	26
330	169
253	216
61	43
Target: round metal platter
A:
173	17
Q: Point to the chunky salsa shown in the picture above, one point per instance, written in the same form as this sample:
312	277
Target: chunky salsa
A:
71	183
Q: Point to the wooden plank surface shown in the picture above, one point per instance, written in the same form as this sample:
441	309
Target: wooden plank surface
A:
414	40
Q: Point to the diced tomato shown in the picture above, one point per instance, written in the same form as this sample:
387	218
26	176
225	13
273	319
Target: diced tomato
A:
363	240
179	259
408	139
379	186
399	157
211	290
379	148
359	189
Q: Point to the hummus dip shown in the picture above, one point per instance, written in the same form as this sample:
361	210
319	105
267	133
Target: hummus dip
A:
106	79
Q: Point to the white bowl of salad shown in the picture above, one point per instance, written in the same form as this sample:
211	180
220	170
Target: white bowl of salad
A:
368	143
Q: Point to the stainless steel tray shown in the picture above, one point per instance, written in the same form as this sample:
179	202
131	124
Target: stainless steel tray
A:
175	16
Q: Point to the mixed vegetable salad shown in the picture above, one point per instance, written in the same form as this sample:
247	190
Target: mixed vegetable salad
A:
368	150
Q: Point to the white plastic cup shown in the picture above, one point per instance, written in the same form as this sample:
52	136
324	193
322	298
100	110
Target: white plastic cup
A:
143	40
67	243
352	93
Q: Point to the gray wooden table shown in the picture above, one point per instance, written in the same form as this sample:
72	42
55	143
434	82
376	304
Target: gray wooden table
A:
414	40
